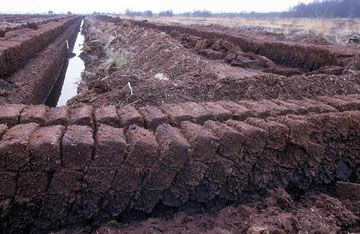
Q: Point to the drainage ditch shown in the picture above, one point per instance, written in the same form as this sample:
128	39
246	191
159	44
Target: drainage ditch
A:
69	77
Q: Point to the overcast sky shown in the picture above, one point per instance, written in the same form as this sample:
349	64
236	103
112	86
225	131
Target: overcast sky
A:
89	6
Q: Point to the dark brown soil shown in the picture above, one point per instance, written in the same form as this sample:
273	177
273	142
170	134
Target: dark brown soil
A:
294	36
277	212
179	130
32	83
10	22
19	46
66	168
164	68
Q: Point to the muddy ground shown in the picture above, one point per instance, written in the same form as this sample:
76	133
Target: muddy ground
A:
165	68
133	63
14	22
196	171
27	74
276	212
318	31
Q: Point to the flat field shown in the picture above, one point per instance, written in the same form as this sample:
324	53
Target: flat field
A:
296	29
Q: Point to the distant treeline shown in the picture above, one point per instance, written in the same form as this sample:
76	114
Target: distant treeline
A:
198	13
318	8
327	8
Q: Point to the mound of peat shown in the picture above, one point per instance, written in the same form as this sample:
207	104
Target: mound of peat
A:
32	83
160	69
88	172
163	136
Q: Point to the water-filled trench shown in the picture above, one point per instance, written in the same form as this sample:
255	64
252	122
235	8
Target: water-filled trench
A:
69	77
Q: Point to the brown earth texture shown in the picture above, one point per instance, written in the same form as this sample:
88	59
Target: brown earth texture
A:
177	129
177	66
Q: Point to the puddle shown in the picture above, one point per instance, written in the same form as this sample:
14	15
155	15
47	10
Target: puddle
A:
69	77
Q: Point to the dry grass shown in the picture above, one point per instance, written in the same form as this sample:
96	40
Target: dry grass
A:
334	30
114	56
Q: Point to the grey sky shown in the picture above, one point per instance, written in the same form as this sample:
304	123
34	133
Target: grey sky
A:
88	6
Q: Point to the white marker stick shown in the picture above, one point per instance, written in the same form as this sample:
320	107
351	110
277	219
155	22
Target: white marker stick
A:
131	91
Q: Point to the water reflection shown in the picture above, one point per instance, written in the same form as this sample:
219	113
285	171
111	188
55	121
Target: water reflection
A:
66	88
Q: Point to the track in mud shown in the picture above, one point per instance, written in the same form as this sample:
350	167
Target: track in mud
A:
183	130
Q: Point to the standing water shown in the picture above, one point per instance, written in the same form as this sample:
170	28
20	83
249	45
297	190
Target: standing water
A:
66	88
